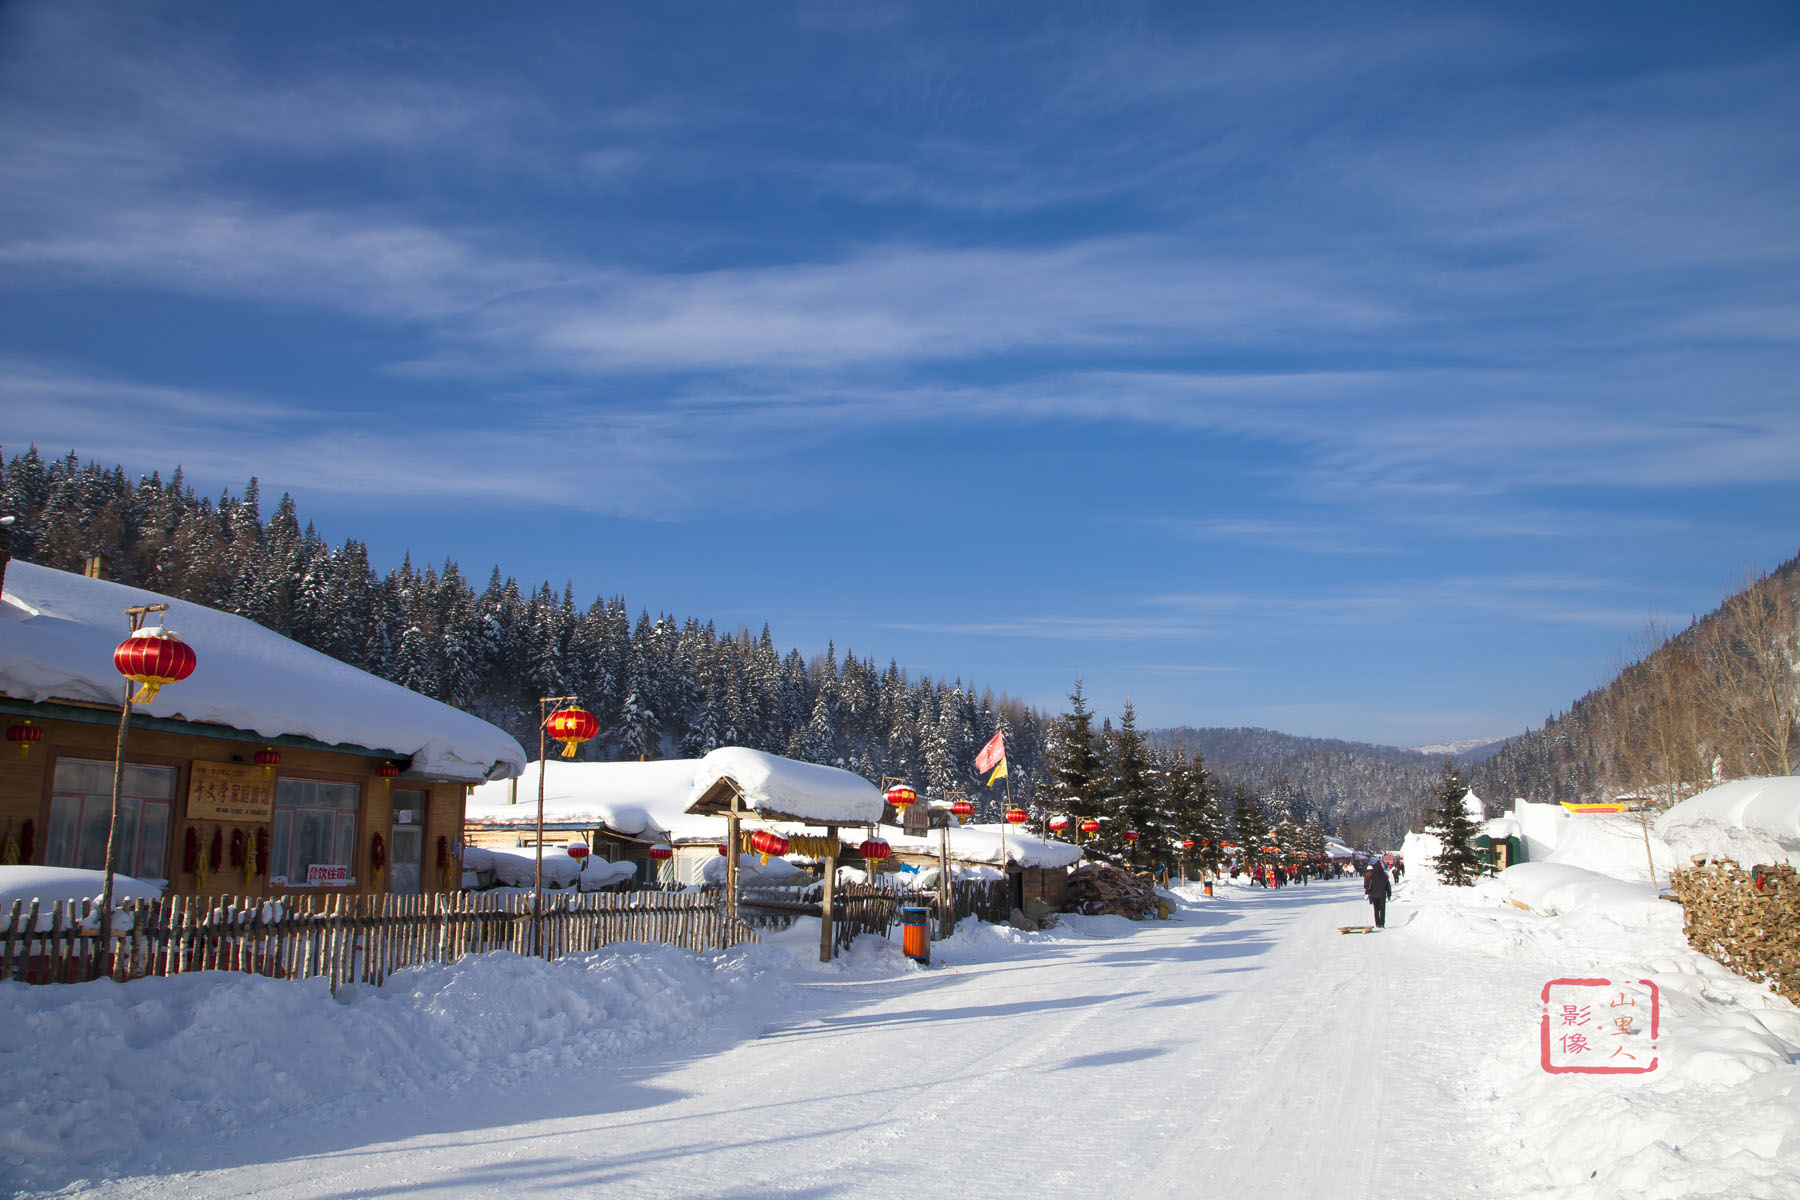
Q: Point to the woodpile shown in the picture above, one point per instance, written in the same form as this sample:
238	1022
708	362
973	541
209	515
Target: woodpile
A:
1748	919
1097	887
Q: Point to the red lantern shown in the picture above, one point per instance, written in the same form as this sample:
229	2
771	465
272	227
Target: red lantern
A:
724	850
577	850
387	771
901	797
26	735
962	810
1090	827
1058	824
1206	841
571	727
661	852
768	844
152	659
1131	835
1017	816
268	759
1187	843
876	849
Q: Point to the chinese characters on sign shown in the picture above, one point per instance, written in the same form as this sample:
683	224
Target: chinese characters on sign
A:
327	876
1600	1026
229	792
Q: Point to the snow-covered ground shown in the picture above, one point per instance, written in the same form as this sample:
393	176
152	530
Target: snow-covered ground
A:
1245	1048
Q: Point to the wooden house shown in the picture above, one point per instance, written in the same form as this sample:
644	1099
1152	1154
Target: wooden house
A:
271	769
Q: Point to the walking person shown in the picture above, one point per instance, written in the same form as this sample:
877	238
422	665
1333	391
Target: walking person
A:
1377	888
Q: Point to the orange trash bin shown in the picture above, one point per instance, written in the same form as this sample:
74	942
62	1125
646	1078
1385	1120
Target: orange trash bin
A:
916	939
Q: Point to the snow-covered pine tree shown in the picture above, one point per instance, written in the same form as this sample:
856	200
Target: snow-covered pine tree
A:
1456	863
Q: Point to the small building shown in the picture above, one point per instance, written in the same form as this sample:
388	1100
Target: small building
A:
1038	868
1501	843
618	809
271	769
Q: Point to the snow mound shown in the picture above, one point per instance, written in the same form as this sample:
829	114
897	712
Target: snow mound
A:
1552	888
1750	821
50	884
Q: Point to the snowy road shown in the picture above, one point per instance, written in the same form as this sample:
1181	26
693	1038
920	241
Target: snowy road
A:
1234	1049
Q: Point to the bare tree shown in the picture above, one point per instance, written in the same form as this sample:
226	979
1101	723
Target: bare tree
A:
1753	664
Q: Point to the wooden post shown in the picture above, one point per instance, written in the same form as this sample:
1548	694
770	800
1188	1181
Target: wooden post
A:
829	897
946	906
731	859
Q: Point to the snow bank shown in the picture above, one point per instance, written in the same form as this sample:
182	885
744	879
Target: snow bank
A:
631	798
1541	826
1750	821
58	632
1720	1114
785	787
161	1064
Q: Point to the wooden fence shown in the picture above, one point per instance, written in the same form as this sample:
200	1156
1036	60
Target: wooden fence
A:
349	938
344	938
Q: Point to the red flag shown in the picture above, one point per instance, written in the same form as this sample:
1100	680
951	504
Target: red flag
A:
991	754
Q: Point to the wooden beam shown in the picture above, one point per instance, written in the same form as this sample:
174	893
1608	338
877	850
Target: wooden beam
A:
827	942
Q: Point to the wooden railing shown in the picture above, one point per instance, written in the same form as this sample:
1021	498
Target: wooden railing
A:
344	938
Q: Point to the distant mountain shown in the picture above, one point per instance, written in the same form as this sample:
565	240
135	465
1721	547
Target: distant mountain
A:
1467	751
1369	795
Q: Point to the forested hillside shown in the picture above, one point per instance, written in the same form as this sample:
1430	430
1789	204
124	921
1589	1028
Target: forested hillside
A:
1368	793
1720	699
660	686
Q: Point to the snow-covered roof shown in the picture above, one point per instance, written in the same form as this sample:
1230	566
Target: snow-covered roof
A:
981	844
57	635
777	787
630	798
1501	828
1337	849
1750	821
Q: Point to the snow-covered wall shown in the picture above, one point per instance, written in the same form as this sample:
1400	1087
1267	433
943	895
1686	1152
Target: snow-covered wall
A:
58	632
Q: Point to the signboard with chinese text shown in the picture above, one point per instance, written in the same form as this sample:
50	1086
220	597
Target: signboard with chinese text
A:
1600	1027
327	876
229	792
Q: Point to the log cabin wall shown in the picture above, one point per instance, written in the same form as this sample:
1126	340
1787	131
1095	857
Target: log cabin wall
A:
28	791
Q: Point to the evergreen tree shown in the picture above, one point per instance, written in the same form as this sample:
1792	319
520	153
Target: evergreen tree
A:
1456	862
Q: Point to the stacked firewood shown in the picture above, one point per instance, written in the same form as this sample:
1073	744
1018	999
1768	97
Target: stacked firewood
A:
1747	918
1098	887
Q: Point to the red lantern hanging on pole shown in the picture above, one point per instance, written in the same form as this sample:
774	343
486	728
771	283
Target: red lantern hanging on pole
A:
571	727
26	735
1017	816
661	852
1131	835
1058	824
1090	827
153	659
768	844
962	810
876	849
901	797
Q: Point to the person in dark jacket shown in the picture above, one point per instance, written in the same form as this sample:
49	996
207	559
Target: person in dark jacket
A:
1377	888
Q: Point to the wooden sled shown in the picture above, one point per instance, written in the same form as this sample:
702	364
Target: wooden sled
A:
1356	929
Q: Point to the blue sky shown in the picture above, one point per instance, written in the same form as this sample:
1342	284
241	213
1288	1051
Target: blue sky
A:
1374	374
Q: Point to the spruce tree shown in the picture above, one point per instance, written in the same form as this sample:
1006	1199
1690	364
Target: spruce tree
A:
1456	862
